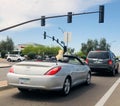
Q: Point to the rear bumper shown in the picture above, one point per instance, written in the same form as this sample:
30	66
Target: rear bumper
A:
36	82
105	68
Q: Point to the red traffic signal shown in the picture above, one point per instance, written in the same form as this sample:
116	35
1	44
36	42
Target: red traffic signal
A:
101	14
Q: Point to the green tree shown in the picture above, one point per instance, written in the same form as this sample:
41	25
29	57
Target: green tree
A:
81	54
94	45
86	47
7	45
31	55
41	50
103	45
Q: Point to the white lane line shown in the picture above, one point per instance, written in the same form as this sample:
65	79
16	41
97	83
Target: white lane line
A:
102	101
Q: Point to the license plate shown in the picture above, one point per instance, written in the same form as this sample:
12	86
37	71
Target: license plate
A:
98	62
24	80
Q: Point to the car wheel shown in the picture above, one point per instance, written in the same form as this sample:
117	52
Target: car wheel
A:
88	79
9	60
116	71
19	60
67	86
113	72
23	90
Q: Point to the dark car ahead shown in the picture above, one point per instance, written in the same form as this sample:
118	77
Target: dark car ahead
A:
100	61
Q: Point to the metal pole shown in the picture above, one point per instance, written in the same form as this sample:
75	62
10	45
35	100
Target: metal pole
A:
58	16
67	40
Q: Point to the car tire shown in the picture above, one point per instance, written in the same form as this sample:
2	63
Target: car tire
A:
113	72
23	90
88	79
19	60
9	60
66	86
117	70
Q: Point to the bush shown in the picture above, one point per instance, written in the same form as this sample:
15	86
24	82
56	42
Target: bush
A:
31	55
84	57
3	53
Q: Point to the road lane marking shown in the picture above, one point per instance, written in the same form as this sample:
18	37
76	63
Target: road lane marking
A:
102	101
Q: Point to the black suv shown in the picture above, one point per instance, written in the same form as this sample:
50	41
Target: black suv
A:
103	61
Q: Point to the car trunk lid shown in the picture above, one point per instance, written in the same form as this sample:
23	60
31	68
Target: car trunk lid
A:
98	61
33	68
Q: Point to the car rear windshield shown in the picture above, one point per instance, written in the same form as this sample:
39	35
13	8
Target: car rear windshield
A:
98	55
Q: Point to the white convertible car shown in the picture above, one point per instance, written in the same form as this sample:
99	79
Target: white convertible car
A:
60	75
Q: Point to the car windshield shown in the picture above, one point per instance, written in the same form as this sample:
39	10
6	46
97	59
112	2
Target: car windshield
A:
70	60
98	55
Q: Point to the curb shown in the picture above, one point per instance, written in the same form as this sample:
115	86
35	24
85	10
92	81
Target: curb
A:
5	88
4	85
4	65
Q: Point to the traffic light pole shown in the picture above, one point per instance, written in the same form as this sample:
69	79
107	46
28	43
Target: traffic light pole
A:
69	15
62	44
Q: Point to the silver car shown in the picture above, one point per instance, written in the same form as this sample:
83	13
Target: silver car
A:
60	75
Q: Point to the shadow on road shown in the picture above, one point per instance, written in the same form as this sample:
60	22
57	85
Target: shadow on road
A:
104	74
54	96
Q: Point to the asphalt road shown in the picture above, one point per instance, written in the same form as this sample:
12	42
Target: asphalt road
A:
3	71
80	96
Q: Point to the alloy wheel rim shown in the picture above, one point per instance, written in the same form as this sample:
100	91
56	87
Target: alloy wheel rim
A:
88	78
67	86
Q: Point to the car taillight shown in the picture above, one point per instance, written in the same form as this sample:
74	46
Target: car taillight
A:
87	61
53	71
110	62
11	70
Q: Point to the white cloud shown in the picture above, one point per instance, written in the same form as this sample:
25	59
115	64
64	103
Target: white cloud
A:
16	11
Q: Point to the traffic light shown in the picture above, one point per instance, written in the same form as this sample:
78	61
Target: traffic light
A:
42	20
44	35
65	49
53	38
69	17
57	40
101	14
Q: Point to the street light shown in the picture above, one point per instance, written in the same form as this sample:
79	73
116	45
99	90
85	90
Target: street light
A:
67	37
61	30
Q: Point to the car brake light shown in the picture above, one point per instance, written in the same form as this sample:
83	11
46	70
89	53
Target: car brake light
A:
110	62
11	70
87	61
53	71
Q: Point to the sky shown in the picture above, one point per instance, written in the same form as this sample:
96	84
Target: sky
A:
82	28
